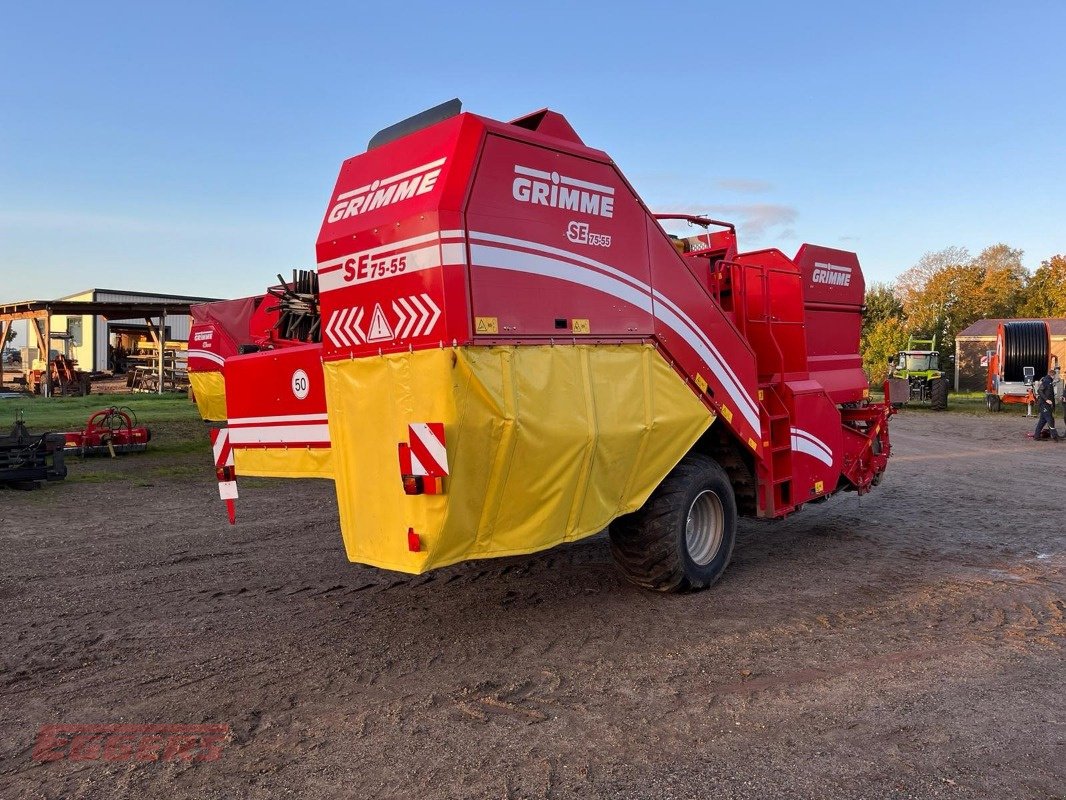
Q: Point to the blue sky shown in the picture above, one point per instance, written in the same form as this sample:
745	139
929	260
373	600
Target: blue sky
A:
192	147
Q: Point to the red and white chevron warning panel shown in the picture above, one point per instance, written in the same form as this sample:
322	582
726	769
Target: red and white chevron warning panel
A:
221	446
416	315
343	327
222	449
424	458
428	454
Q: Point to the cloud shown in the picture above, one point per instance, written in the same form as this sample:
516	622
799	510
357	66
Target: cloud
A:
744	185
753	220
757	219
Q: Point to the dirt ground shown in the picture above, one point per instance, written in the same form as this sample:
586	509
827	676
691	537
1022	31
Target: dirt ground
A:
907	644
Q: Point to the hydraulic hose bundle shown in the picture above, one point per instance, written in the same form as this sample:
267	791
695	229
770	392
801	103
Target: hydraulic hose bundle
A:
298	303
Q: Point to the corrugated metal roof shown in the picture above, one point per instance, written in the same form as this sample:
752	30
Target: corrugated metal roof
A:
989	327
129	294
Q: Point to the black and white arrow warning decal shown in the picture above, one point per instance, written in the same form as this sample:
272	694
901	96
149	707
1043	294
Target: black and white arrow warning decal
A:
417	313
343	328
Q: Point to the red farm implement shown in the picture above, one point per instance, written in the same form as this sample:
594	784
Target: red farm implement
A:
503	350
109	431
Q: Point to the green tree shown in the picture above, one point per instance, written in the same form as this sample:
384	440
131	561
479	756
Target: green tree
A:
1045	291
886	338
911	283
1002	291
881	303
947	290
946	304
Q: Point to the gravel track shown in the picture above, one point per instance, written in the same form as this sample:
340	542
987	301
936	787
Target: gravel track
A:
904	644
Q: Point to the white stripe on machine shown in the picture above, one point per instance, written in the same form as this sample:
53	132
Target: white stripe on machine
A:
804	442
285	419
365	266
215	357
280	434
733	385
631	291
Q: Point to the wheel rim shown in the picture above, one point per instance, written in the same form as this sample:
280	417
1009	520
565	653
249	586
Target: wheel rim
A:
704	527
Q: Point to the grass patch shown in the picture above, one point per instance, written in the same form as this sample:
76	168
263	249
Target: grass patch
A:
71	413
180	446
960	403
173	420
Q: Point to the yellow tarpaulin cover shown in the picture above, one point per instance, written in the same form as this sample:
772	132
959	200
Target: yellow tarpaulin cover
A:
545	445
283	462
209	390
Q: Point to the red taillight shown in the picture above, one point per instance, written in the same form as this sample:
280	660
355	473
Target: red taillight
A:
414	542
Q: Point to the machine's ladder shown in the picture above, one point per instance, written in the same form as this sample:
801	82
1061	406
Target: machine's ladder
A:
751	308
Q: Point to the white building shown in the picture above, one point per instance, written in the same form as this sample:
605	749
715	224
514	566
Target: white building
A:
92	335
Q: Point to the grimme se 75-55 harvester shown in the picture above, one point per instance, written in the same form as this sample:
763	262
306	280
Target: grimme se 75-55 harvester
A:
502	350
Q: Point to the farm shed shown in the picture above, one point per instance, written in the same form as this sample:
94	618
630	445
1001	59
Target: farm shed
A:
84	325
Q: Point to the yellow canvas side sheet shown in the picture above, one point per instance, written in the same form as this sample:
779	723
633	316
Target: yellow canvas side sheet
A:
280	462
209	390
545	445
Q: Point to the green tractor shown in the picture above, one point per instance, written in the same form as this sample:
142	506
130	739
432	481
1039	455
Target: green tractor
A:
914	376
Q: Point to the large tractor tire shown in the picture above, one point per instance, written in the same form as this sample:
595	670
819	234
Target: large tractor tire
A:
682	538
938	394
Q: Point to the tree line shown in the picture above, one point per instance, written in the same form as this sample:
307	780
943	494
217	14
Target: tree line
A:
948	290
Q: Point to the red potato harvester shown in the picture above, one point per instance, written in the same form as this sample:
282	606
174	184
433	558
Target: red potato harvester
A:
502	350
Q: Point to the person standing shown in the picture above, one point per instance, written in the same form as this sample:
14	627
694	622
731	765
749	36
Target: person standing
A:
1045	398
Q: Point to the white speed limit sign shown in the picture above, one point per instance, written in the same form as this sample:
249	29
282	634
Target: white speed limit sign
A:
300	385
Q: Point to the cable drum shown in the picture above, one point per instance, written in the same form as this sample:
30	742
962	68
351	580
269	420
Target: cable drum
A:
1024	343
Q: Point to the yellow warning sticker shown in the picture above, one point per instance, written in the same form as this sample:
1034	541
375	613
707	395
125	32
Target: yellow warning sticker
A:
580	326
865	392
761	396
486	325
701	382
727	413
753	444
818	487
